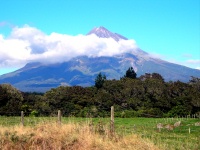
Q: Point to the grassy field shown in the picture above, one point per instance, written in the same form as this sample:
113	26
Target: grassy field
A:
186	136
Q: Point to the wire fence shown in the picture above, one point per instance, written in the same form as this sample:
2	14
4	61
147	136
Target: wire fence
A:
188	124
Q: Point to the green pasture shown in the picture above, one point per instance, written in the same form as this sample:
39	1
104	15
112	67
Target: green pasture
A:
186	136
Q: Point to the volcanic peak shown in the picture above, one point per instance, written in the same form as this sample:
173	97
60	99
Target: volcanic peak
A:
102	32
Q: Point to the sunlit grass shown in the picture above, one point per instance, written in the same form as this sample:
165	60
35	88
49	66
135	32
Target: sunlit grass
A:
143	128
74	136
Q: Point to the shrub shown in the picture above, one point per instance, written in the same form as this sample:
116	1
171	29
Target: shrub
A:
178	111
34	113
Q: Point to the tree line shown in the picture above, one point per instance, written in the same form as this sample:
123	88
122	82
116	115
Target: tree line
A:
145	96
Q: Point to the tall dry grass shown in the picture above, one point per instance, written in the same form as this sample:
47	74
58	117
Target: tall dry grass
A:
70	136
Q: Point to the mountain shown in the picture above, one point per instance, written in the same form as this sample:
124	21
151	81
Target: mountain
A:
82	70
102	32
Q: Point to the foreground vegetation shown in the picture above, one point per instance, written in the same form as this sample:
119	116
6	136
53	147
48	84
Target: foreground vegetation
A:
93	133
71	136
146	96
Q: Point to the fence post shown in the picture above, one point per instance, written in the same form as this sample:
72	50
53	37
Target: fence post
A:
112	128
59	117
22	118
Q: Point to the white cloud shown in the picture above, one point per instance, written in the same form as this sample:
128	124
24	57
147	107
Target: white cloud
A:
156	55
187	55
193	61
28	44
198	68
13	52
33	36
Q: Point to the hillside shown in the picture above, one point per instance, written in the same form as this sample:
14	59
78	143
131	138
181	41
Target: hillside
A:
82	70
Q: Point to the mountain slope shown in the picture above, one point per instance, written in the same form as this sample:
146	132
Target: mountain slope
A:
82	70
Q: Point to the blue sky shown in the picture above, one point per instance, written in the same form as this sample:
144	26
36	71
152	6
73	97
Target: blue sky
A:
169	29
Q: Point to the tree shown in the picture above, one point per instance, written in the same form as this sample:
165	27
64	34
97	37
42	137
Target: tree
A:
99	80
157	76
10	100
130	73
151	76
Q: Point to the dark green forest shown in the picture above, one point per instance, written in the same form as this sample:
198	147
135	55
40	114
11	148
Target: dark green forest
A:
145	96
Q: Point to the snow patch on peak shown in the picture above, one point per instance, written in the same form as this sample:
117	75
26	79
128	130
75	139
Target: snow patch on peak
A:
102	32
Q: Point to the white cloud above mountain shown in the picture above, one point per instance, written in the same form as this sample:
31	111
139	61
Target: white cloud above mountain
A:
194	61
28	44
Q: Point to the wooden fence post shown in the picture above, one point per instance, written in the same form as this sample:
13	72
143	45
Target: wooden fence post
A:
59	117
22	118
112	127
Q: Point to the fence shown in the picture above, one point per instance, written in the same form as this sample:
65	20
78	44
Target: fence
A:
59	119
116	123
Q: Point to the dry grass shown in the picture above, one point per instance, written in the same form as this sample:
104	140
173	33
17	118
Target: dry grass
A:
69	136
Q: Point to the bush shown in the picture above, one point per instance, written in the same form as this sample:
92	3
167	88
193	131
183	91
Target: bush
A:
178	111
127	114
152	112
34	113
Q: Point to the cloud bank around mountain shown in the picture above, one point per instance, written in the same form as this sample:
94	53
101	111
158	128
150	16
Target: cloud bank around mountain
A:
29	44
